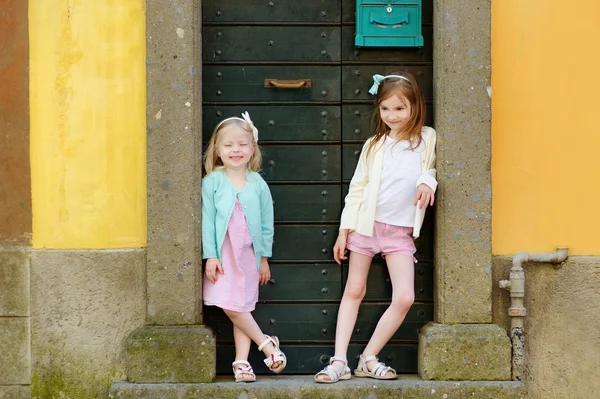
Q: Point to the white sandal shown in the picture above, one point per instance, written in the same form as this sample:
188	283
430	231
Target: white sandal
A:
332	372
276	356
379	372
243	367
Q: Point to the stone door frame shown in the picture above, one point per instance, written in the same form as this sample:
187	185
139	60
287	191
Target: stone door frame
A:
462	79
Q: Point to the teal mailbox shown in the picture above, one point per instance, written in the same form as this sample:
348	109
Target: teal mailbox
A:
388	23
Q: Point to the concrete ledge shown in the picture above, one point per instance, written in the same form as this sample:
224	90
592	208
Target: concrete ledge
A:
15	352
171	354
14	283
465	352
84	305
303	387
15	391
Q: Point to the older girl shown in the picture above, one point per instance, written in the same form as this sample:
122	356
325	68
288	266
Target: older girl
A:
393	183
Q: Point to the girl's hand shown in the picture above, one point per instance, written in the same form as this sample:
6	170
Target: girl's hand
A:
265	271
425	196
212	265
339	249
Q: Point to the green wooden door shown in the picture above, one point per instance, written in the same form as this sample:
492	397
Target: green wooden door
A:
310	138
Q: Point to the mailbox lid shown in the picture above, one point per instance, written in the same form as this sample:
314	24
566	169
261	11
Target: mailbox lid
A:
386	25
397	55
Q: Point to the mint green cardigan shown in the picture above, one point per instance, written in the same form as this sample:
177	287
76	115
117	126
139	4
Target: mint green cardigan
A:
218	200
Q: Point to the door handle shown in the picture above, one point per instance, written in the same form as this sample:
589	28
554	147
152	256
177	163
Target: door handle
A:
288	84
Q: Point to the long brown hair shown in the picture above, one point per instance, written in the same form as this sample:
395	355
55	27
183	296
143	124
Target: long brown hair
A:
212	160
403	89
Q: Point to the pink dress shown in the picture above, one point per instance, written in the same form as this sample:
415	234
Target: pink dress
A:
237	288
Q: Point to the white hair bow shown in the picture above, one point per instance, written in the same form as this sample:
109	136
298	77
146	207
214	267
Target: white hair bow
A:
246	117
377	79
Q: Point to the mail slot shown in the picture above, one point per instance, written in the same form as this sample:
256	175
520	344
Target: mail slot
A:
388	23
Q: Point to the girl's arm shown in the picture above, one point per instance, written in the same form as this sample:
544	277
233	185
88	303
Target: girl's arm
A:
429	176
209	241
267	217
339	248
265	271
349	218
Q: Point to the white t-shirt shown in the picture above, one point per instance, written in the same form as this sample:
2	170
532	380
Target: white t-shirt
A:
397	190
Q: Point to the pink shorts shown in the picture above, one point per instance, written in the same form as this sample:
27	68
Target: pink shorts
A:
387	240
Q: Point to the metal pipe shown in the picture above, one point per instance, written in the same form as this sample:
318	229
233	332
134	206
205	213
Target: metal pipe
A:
517	311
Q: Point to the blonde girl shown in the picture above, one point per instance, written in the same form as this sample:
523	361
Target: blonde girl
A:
392	185
237	238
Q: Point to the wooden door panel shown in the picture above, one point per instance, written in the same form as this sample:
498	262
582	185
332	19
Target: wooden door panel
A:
309	163
309	138
317	322
356	121
278	123
358	79
276	11
379	287
303	282
351	154
311	243
427	232
273	43
307	203
225	83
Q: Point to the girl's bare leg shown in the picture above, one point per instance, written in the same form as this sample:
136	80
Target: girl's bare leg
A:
402	275
356	288
242	346
247	325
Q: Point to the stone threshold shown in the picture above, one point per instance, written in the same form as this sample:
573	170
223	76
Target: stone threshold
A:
303	387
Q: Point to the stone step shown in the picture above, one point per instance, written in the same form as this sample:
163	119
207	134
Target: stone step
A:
303	387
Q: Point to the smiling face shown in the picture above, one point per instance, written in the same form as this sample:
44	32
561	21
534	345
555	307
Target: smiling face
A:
395	112
235	147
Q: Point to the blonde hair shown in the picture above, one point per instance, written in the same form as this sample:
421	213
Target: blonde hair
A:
410	90
212	160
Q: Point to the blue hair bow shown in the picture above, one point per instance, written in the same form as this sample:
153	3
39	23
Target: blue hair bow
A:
377	79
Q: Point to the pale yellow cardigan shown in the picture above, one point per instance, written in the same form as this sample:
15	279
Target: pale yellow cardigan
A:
359	210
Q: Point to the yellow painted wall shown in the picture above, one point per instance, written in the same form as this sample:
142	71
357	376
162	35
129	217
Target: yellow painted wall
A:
88	123
545	129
